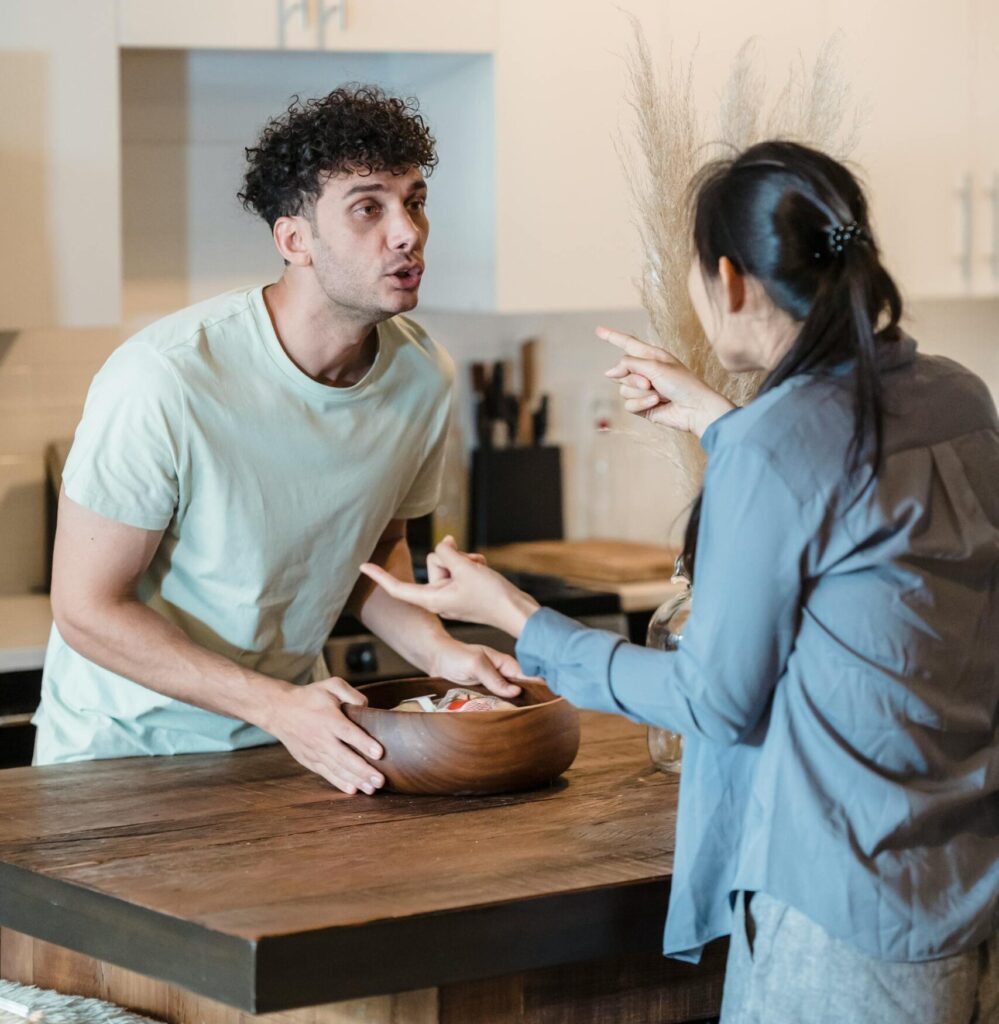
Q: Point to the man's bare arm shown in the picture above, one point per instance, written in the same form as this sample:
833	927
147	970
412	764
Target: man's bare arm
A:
415	637
418	635
97	565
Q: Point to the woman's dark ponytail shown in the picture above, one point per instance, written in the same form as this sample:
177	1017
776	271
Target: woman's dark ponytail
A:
796	220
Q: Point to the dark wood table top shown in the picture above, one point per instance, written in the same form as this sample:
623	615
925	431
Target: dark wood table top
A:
245	878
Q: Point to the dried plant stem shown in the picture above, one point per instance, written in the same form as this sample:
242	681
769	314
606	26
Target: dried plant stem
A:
811	107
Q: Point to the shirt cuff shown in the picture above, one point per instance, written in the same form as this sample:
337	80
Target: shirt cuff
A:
574	660
710	436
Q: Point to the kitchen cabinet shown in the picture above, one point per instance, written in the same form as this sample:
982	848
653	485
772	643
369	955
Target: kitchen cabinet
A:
910	67
565	234
910	72
441	26
529	206
59	177
708	35
985	147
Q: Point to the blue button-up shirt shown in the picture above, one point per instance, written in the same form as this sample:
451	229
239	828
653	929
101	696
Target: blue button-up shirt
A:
838	680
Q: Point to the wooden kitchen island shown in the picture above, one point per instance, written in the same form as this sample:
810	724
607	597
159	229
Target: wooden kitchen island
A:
210	888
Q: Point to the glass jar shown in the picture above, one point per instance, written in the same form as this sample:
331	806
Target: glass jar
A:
665	634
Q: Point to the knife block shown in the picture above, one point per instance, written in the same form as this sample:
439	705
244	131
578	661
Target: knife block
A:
516	495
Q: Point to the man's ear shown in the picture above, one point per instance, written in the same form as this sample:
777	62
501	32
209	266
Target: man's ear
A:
293	238
733	285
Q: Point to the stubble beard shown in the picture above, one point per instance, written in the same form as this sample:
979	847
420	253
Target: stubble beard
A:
349	296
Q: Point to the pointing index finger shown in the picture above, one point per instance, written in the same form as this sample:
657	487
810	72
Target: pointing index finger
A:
413	593
634	347
631	345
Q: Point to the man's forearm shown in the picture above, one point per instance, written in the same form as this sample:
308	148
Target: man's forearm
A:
134	641
415	634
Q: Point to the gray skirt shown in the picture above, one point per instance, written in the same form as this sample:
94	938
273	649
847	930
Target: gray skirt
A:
784	969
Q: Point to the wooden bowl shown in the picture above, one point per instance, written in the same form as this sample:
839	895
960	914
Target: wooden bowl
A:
472	752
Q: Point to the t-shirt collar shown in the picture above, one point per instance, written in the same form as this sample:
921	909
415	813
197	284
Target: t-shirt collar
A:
298	377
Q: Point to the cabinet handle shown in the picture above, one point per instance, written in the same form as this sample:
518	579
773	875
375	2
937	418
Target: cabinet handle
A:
966	199
328	10
994	193
287	11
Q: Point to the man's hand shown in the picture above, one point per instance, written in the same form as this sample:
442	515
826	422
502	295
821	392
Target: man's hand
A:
475	663
310	722
100	562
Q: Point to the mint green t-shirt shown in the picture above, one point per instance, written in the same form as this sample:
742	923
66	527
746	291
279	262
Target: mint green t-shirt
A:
271	488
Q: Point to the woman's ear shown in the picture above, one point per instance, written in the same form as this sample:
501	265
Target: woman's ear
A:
733	285
292	236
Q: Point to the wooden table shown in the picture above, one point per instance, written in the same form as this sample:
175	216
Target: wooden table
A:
199	887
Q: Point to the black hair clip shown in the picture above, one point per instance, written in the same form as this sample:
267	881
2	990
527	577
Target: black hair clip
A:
842	235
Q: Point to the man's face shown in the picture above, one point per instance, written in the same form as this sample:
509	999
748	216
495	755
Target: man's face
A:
368	237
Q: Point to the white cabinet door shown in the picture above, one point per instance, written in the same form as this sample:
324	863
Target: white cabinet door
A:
212	24
437	26
985	146
910	62
60	264
565	234
360	25
907	66
708	35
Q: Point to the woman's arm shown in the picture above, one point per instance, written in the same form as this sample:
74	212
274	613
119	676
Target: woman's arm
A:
744	617
751	546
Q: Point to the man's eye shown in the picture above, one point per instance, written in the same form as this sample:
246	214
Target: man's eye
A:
369	210
418	204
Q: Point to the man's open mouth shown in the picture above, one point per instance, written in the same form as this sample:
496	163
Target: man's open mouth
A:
408	277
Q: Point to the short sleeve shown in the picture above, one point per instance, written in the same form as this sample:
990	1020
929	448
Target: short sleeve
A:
125	455
424	493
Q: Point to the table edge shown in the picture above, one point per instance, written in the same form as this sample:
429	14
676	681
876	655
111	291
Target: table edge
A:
286	972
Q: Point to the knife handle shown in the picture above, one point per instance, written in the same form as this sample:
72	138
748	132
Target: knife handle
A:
540	421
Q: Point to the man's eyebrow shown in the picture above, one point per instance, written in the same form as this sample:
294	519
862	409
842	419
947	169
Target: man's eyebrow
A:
363	188
417	186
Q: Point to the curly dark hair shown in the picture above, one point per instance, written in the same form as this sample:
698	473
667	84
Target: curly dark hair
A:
355	128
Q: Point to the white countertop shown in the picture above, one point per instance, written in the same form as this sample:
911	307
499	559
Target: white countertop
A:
25	621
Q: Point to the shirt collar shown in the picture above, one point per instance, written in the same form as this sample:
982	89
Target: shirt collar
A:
891	355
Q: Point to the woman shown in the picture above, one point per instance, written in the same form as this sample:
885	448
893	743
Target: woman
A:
838	680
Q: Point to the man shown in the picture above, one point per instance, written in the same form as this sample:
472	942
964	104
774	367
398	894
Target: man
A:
238	460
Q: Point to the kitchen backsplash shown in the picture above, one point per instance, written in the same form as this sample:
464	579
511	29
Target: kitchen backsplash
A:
44	376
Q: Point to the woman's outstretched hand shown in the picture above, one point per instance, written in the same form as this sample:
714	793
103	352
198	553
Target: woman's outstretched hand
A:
659	388
461	587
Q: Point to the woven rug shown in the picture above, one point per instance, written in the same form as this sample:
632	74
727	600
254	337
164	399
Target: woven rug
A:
55	1008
